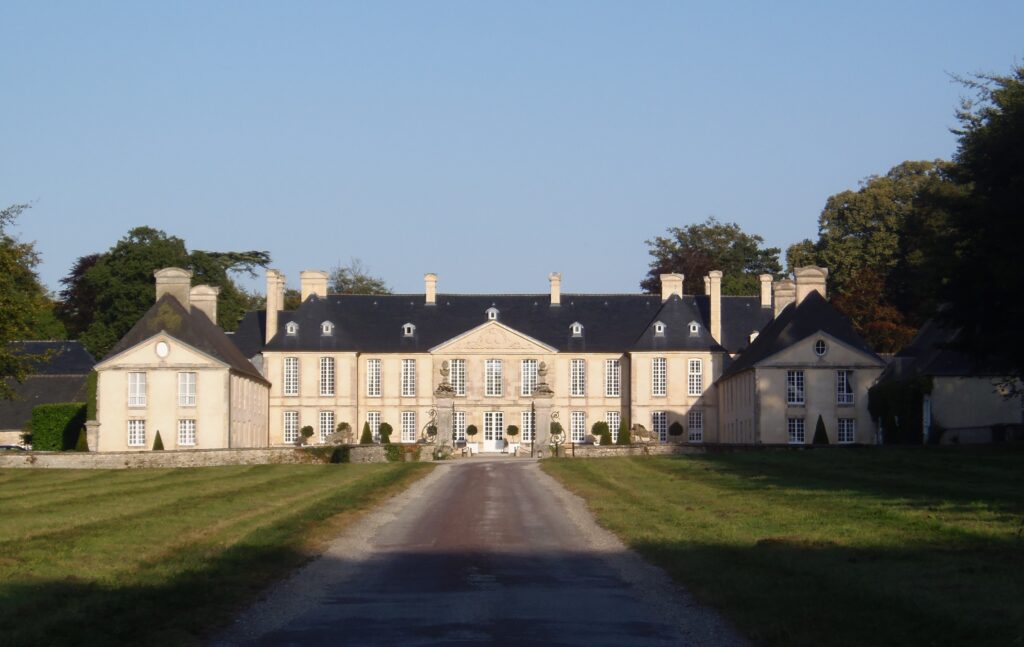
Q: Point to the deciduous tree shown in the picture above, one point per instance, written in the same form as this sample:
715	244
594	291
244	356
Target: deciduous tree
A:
355	278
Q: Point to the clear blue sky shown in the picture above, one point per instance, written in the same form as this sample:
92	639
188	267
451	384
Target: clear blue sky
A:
488	142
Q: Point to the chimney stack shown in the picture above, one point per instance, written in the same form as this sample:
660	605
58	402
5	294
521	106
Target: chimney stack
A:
430	287
707	285
175	282
766	290
275	301
810	279
784	293
715	290
204	299
556	288
313	282
671	284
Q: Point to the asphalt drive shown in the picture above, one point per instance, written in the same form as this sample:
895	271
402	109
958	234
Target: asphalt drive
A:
479	552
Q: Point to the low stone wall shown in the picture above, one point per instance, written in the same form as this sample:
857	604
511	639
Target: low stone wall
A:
603	451
183	458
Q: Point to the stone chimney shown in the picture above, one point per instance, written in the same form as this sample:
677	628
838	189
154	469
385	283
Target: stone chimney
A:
783	294
275	301
707	285
671	284
175	282
430	287
204	299
715	290
312	282
810	279
766	290
556	288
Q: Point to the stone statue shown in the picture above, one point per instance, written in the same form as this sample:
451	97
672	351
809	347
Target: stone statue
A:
445	387
542	390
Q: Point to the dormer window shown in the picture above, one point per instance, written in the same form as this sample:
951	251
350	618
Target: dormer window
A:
694	328
291	329
327	329
492	314
577	329
820	348
659	329
408	330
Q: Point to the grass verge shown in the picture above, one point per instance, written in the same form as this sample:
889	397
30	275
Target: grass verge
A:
164	556
848	547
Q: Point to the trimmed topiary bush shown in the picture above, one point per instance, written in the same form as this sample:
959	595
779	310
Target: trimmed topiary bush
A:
820	433
158	443
675	429
305	434
82	445
367	436
385	433
471	431
624	435
55	427
512	431
600	431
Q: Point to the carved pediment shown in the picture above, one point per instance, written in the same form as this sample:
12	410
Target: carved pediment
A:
492	337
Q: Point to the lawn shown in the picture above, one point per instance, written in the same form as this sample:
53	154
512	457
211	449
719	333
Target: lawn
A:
915	546
164	556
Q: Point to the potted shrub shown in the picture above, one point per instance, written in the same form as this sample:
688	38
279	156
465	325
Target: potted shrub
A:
385	433
512	432
471	432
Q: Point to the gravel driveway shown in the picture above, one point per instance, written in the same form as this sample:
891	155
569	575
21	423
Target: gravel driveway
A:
480	551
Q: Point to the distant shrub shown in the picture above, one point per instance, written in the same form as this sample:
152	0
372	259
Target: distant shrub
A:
158	443
55	427
820	433
393	453
367	437
600	431
555	427
471	431
90	395
82	445
385	433
512	431
624	435
675	429
306	432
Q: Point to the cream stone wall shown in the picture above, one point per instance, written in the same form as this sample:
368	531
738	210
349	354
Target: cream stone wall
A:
249	412
963	402
737	405
309	403
677	402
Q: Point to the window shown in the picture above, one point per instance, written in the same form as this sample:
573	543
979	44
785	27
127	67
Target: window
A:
612	378
528	422
577	377
408	330
659	425
578	426
408	426
459	425
527	377
291	375
847	430
694	328
187	432
795	387
494	426
695	423
577	329
659	376
844	387
327	329
659	329
136	433
796	431
291	329
373	378
408	378
326	376
492	378
458	376
136	389
291	426
373	418
186	389
492	314
326	425
820	348
695	377
614	419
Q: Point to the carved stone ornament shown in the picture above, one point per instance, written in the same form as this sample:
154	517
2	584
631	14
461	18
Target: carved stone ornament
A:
542	389
445	387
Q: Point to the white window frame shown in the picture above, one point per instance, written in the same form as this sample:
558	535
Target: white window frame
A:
577	378
612	378
493	378
459	425
291	329
408	378
136	389
327	374
578	426
796	394
326	419
527	425
458	376
695	426
847	430
187	432
373	378
186	389
576	329
795	427
844	387
494	427
136	432
290	429
373	417
408	426
408	330
528	377
695	377
659	425
613	419
291	376
659	376
492	314
327	328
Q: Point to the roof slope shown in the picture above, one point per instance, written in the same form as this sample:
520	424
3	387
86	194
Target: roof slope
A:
933	352
677	314
63	357
192	327
59	377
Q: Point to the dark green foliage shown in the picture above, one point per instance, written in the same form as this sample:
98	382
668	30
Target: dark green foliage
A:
329	453
512	431
90	395
600	431
82	444
385	433
624	434
393	453
431	430
355	278
343	428
675	429
820	433
306	432
158	442
55	427
471	431
555	427
367	436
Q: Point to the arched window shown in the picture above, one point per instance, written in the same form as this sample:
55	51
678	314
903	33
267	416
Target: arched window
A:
291	329
327	328
694	328
659	328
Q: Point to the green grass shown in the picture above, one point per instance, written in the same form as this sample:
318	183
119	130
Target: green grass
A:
164	556
849	547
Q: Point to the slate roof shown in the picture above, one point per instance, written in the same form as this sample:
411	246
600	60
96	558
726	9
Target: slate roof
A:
190	326
59	378
65	357
932	352
796	323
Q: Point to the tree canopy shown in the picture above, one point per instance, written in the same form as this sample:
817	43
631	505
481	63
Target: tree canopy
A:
696	249
355	278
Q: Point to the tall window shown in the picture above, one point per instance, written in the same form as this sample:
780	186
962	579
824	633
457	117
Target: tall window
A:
459	425
136	433
408	378
659	376
186	432
695	422
373	417
844	387
291	375
528	377
612	378
458	376
408	426
136	389
186	389
847	430
494	427
373	378
795	388
695	377
578	426
614	419
326	376
659	425
291	426
577	377
796	431
492	377
527	423
326	425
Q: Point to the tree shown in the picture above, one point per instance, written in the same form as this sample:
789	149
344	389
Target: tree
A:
695	250
385	430
158	443
624	435
355	278
880	323
820	433
367	436
471	431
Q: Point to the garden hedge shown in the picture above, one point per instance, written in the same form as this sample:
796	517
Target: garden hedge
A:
55	427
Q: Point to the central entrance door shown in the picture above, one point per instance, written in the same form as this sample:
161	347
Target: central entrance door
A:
494	431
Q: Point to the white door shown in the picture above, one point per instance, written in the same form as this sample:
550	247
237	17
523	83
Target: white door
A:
494	434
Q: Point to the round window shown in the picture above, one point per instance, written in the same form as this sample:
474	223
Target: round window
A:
820	348
162	349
